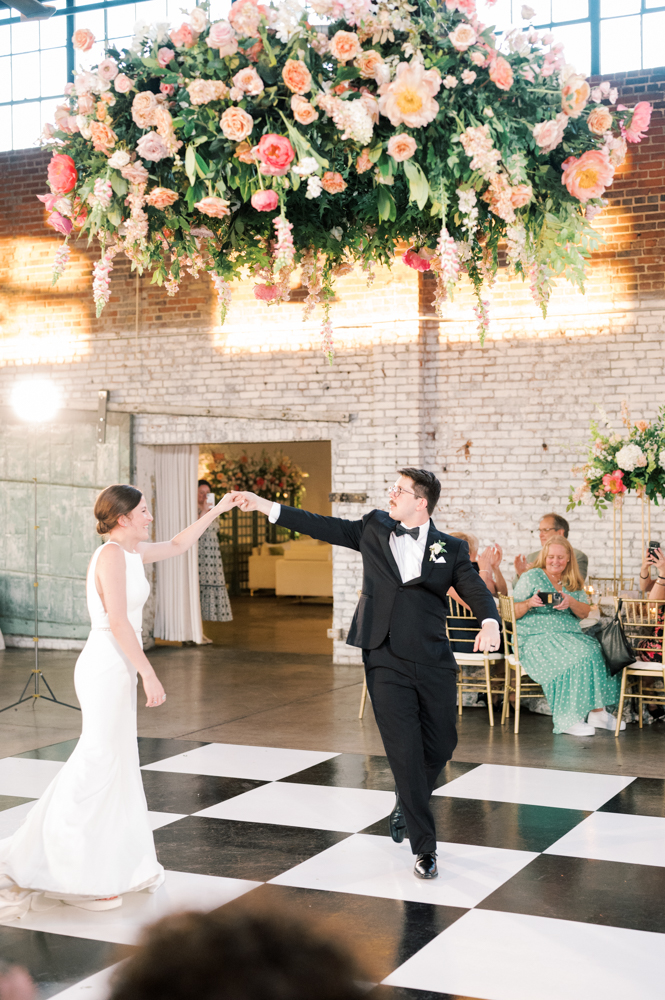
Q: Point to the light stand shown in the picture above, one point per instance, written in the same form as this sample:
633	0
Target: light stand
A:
36	675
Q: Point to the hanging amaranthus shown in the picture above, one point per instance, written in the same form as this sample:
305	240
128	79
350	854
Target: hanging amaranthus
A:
223	294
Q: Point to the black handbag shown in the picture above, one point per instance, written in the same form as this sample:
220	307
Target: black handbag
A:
617	651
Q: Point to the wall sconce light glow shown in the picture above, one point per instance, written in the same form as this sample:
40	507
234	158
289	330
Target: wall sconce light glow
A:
36	400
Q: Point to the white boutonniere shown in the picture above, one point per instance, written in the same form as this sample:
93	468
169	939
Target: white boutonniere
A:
436	551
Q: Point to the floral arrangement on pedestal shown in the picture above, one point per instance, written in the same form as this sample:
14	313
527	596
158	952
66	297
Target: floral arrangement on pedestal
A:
275	477
257	144
619	463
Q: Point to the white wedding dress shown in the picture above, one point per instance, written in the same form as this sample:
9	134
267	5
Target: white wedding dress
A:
88	836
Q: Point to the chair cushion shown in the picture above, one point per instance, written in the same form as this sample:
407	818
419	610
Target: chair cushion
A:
473	658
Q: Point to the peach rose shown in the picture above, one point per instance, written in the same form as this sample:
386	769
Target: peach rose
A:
401	147
198	19
275	153
363	163
185	37
83	39
162	197
144	106
296	76
164	56
103	137
236	124
249	81
245	16
62	173
345	45
501	73
101	110
408	99
589	176
548	135
86	104
477	58
463	37
303	112
201	91
135	173
163	122
265	201
600	120
222	36
122	83
216	207
107	69
332	182
369	63
245	152
574	96
521	195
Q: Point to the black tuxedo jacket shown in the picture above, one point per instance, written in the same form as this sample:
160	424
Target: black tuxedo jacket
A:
414	613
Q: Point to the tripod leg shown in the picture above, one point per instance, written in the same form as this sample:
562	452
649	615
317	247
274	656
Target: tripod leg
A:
53	698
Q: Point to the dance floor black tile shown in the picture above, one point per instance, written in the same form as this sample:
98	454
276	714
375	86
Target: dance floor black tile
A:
596	892
152	749
55	961
169	791
356	770
257	851
383	933
510	825
9	801
403	993
642	797
56	751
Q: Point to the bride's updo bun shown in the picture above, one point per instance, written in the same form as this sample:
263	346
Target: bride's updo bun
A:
112	503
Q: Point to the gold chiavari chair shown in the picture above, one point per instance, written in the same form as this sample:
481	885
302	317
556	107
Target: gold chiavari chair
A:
363	698
462	627
643	624
610	586
522	685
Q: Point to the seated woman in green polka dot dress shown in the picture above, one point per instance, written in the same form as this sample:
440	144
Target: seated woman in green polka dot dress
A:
555	652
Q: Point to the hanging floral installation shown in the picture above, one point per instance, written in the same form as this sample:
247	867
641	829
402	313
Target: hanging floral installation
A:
618	463
254	145
275	477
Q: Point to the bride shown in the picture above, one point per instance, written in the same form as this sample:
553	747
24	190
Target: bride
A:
87	840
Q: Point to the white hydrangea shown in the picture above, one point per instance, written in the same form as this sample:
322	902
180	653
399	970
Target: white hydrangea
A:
629	457
353	118
307	166
314	187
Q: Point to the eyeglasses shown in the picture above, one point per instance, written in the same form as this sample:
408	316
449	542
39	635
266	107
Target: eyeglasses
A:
397	491
546	531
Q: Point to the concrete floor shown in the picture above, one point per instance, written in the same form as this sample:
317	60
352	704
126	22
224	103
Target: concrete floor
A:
269	681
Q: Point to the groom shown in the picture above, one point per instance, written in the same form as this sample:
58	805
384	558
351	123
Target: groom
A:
400	624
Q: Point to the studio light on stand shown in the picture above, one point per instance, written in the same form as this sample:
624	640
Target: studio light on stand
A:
36	401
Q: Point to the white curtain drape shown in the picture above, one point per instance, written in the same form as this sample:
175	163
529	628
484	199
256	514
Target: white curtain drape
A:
178	610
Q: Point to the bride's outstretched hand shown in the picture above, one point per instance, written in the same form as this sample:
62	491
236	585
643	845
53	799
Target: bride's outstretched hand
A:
226	503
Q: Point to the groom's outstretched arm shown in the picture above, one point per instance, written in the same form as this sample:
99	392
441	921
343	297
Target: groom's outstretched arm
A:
335	530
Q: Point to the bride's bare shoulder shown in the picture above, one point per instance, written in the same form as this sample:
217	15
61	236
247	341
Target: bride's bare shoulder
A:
111	557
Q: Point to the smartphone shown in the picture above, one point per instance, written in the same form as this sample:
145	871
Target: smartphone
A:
210	498
550	600
652	548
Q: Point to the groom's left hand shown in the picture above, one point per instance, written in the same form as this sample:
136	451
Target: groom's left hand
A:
489	638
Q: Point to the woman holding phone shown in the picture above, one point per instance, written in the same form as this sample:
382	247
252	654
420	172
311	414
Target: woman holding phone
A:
215	604
555	652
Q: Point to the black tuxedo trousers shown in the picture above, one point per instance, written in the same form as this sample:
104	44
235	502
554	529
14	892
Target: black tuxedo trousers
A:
415	709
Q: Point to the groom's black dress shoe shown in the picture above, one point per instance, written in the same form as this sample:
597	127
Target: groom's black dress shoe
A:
397	822
425	866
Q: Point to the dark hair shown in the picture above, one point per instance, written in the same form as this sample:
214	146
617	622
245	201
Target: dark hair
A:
112	503
560	523
204	482
428	485
236	956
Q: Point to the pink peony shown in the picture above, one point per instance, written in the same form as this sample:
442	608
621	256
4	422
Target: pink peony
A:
216	207
409	99
122	83
62	173
245	16
401	147
463	37
164	56
107	69
501	73
639	123
248	81
185	37
588	176
60	223
412	258
265	201
222	36
83	39
266	292
275	153
152	147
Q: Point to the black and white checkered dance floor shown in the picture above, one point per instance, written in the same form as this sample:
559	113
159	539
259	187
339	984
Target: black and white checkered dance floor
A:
551	885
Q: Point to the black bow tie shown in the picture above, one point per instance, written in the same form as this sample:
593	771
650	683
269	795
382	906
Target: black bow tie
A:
401	530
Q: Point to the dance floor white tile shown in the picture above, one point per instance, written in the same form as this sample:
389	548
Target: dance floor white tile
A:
93	988
11	819
637	840
181	891
231	761
320	807
536	786
158	819
375	866
25	777
509	956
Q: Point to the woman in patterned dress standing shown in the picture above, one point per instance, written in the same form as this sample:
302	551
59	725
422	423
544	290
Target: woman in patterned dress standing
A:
215	604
